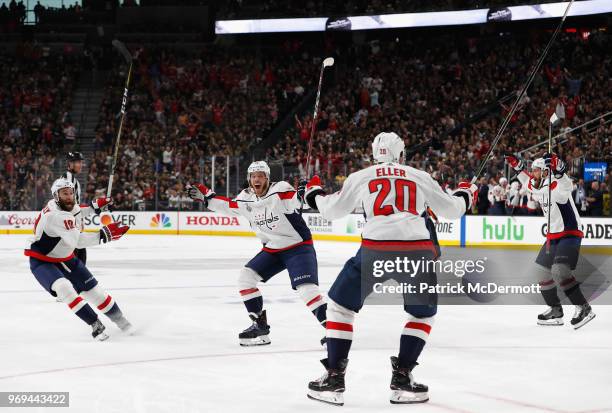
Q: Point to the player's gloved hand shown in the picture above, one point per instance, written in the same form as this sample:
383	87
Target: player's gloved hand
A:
515	163
468	192
200	192
556	165
301	190
112	232
313	188
102	205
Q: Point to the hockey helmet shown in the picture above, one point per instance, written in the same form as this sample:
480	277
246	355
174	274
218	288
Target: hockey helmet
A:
74	156
258	166
387	147
58	184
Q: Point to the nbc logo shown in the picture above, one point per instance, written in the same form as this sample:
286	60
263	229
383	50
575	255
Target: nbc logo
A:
160	220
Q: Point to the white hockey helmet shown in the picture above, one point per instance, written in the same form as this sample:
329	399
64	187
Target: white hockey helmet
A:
258	166
539	164
387	147
58	184
503	181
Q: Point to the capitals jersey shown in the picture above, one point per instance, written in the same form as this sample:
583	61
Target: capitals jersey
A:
273	216
564	218
393	197
57	233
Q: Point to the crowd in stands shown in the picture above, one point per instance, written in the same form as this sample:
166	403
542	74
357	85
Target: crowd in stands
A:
242	9
430	96
35	95
187	106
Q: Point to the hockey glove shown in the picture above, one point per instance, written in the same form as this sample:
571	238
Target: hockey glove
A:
556	165
200	192
102	205
312	189
515	163
112	232
468	192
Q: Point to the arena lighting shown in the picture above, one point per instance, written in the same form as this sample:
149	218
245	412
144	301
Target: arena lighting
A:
404	20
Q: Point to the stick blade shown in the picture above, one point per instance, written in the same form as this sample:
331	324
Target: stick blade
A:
120	46
328	62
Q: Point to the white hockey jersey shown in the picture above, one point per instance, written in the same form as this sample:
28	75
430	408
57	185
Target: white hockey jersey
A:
393	197
274	217
564	217
57	233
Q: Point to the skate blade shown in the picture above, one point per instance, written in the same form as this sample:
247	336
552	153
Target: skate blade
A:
407	397
258	341
128	330
586	319
553	322
329	397
101	337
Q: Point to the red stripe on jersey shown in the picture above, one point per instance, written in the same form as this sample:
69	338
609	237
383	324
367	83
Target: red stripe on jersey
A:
553	185
232	203
399	245
332	325
274	250
248	291
105	303
419	326
38	256
569	233
286	195
84	206
75	302
314	300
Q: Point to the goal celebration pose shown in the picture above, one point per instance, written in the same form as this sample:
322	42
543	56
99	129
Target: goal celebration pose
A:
271	208
559	254
394	197
57	233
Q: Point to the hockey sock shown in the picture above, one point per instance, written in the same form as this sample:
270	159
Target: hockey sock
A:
250	294
104	302
563	274
67	294
574	294
548	289
314	300
339	328
414	336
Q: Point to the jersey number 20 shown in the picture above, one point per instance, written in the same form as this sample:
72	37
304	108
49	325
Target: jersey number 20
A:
402	188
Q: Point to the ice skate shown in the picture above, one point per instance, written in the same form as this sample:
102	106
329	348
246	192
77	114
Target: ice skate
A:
257	333
330	387
404	390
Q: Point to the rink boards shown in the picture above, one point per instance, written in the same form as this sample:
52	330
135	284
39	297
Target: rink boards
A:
469	231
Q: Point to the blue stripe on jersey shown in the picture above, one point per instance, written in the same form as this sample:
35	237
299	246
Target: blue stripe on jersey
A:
45	244
567	213
299	225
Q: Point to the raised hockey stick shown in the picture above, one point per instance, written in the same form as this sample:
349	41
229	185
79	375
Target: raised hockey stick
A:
551	122
519	97
128	58
328	62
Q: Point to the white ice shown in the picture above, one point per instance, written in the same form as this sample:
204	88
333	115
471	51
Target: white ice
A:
180	293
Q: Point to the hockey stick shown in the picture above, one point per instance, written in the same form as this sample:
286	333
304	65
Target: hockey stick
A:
328	62
515	105
128	58
551	122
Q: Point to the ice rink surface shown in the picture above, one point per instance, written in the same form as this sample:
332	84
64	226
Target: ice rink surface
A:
180	293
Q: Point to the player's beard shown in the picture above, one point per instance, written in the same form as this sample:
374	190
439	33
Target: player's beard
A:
66	205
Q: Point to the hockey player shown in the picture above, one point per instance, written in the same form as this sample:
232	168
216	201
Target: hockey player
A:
394	197
559	255
53	263
271	208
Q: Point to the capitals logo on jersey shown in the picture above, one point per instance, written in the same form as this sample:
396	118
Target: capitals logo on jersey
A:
269	221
